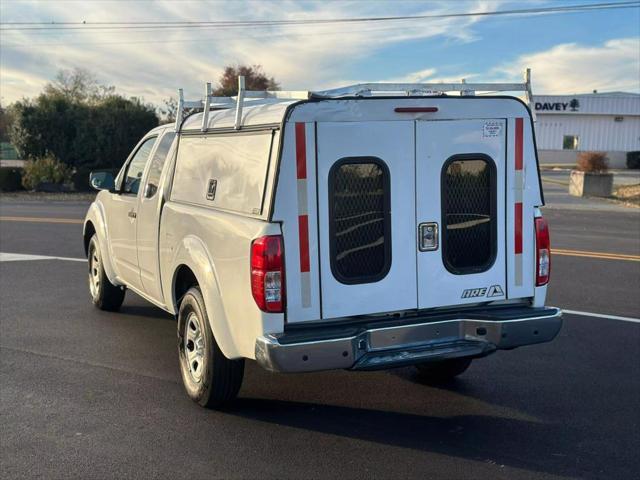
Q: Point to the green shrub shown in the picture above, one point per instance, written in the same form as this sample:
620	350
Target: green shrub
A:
96	135
10	179
593	162
45	170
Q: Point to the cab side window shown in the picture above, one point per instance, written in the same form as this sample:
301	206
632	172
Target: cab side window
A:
133	176
157	163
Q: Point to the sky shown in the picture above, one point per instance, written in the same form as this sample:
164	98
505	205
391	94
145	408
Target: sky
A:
568	53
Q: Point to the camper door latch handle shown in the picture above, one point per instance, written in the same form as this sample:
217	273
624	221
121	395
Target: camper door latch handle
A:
132	214
428	236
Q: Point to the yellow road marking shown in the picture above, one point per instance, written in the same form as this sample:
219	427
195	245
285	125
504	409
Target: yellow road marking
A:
625	255
40	219
602	255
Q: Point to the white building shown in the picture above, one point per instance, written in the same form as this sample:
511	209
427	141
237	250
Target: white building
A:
601	122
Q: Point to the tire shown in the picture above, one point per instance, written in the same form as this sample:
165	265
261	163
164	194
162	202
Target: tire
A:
210	379
104	294
443	371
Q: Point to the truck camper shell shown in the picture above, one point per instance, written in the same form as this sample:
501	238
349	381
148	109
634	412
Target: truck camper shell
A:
362	227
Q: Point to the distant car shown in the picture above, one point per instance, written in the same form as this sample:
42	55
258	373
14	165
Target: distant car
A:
331	233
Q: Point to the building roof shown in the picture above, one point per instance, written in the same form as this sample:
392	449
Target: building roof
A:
592	94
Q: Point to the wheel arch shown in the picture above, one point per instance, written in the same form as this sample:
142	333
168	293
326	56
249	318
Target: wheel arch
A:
193	266
88	232
95	224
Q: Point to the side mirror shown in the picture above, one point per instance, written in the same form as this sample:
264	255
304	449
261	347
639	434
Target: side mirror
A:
102	180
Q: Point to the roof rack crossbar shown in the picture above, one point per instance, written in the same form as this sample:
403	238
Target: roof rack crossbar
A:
358	90
368	89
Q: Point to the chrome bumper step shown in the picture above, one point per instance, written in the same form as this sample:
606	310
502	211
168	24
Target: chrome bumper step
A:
374	348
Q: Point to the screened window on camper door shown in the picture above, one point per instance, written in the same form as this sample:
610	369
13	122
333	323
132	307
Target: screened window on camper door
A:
359	220
468	213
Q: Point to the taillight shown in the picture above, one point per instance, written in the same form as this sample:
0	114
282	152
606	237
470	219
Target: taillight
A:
267	273
543	252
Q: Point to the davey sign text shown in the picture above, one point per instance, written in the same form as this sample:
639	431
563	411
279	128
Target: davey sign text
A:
572	106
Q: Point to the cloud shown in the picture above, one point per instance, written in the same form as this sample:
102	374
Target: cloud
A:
153	64
572	68
563	69
431	75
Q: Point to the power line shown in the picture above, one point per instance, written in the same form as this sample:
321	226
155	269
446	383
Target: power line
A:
225	36
164	25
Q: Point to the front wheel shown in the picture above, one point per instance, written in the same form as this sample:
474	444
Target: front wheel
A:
210	378
442	371
104	294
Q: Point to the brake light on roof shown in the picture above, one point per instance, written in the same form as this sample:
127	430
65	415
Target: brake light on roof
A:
543	252
267	273
416	109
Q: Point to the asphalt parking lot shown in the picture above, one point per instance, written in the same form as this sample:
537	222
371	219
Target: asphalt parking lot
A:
88	394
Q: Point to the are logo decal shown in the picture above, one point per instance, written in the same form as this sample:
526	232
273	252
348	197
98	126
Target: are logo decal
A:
492	291
495	291
474	292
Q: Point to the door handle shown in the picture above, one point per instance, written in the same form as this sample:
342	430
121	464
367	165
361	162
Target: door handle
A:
428	236
132	214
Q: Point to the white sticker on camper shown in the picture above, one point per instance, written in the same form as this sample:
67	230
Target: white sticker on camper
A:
492	129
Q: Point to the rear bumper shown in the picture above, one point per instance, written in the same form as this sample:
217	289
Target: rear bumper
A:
385	344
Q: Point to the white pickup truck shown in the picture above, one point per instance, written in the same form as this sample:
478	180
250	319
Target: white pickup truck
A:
346	230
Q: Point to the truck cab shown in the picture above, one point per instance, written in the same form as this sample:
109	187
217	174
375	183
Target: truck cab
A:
338	230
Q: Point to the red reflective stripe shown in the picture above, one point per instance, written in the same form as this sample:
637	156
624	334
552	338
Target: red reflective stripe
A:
518	166
416	109
303	233
301	152
519	129
303	220
518	222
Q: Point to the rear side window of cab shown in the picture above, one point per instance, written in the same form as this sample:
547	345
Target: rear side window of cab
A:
135	168
156	164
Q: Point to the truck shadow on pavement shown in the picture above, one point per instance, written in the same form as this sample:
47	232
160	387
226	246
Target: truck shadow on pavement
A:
145	311
527	445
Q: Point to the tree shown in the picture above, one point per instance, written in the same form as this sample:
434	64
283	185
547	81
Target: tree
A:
5	123
84	124
255	79
168	110
78	85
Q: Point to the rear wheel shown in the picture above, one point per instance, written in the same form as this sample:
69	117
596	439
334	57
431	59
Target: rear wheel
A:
210	378
104	294
436	372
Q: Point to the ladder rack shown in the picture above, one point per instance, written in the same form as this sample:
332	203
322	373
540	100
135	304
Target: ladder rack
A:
211	102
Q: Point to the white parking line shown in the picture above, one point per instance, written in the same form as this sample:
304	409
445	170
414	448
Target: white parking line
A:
22	257
601	315
17	257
